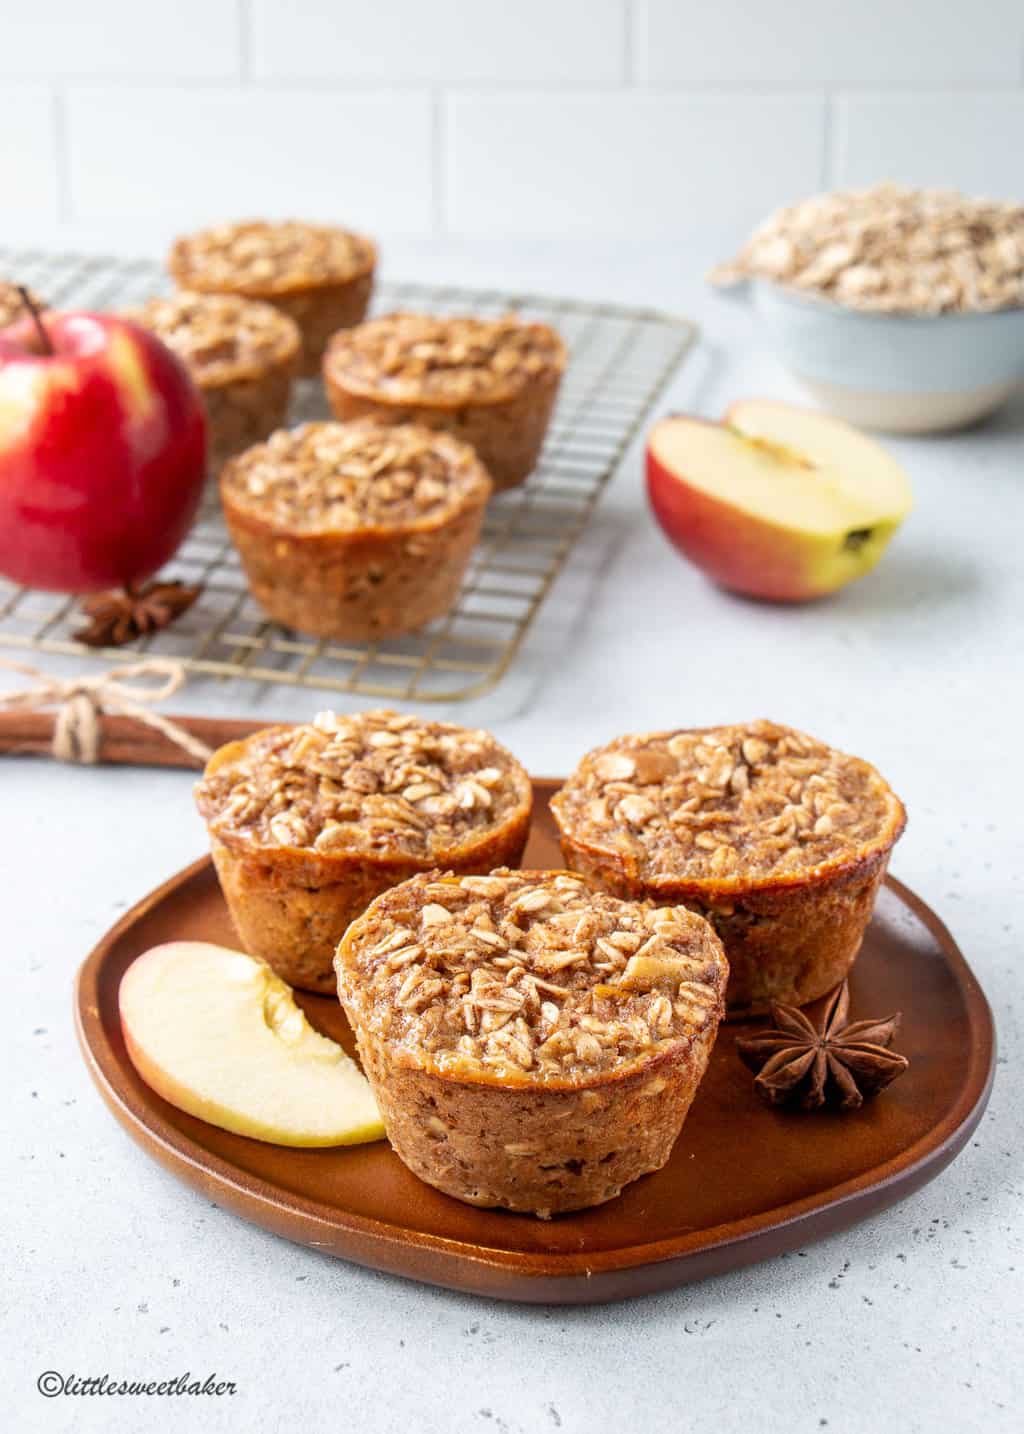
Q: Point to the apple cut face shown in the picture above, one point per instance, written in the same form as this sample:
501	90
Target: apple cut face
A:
218	1034
841	475
775	501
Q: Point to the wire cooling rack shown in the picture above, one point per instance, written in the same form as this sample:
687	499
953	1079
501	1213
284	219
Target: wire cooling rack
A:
620	360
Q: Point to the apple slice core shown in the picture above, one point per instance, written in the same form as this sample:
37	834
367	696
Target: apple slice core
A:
856	473
819	482
219	1035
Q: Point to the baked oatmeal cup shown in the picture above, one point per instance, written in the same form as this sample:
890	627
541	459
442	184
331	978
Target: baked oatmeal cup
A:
322	277
780	841
308	824
491	382
354	531
242	356
532	1043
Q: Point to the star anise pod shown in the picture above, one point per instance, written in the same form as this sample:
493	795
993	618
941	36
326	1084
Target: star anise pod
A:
841	1063
124	614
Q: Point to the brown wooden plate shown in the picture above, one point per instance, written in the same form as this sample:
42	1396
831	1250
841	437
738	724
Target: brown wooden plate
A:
744	1182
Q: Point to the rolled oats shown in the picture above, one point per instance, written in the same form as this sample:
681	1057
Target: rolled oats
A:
514	935
261	257
220	337
341	477
732	804
415	356
892	250
332	786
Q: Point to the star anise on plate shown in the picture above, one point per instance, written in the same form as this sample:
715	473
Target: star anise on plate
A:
841	1064
124	614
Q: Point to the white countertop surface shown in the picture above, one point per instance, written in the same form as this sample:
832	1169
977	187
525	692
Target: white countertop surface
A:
912	1321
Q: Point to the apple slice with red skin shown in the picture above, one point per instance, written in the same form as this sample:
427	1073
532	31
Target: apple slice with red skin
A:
775	501
102	452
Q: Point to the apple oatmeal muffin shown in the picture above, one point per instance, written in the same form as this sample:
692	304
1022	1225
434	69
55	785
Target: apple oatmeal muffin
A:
491	382
780	841
242	356
320	276
308	824
354	531
532	1043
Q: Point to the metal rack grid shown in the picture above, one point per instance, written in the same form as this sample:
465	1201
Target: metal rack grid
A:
620	361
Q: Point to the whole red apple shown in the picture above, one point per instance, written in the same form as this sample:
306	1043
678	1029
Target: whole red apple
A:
102	452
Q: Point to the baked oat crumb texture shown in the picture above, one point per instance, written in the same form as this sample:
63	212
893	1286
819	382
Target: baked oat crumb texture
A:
263	257
340	477
373	782
416	356
221	337
727	804
528	977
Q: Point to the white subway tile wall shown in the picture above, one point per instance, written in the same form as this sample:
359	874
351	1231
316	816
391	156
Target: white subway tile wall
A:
974	142
514	44
120	39
201	153
902	44
488	117
626	163
30	168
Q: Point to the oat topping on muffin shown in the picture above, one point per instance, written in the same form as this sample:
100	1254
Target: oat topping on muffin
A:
444	359
742	803
344	476
365	783
529	975
269	257
221	337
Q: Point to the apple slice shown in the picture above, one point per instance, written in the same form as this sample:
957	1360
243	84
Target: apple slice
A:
775	501
217	1034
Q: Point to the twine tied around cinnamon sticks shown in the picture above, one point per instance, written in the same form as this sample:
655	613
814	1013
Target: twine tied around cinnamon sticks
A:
82	701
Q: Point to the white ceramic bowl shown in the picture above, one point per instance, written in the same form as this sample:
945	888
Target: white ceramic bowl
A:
897	372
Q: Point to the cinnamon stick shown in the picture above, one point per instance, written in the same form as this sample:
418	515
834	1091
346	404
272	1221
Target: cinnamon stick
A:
124	740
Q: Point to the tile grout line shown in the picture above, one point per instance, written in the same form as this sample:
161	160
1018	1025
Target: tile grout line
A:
827	128
833	135
62	158
439	166
244	25
631	22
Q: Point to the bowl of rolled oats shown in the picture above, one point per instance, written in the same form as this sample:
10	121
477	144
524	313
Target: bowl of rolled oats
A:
898	309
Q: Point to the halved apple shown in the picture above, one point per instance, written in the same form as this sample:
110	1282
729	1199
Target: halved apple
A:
775	501
219	1035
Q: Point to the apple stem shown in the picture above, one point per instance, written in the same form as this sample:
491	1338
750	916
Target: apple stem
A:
31	306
